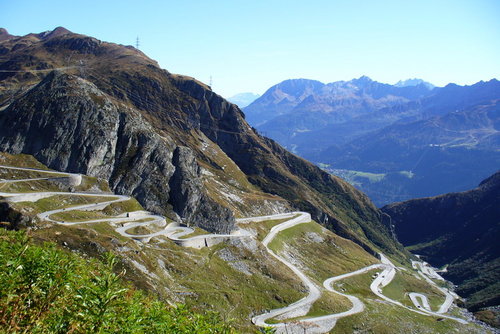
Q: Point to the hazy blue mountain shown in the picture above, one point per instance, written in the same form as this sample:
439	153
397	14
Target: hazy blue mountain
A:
280	99
243	99
393	142
305	115
435	155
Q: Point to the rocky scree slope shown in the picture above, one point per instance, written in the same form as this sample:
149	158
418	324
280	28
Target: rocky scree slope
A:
115	114
460	230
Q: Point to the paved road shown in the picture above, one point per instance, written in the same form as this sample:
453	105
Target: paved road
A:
325	323
24	180
357	305
427	273
302	306
386	276
420	301
299	308
123	223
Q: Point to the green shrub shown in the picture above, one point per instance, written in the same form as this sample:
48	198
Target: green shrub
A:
44	289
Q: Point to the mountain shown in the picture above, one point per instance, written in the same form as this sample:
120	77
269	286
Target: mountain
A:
4	34
414	82
243	99
280	263
461	231
306	115
123	126
435	155
280	99
392	142
82	105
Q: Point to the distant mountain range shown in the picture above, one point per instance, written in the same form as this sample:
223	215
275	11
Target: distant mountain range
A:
243	99
395	142
308	104
460	230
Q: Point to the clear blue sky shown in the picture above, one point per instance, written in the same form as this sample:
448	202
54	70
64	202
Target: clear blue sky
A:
248	46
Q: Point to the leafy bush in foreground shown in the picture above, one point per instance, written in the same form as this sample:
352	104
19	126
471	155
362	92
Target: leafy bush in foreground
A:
47	290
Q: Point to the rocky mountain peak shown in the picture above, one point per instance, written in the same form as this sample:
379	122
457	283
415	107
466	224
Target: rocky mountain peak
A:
59	31
4	34
298	86
414	82
362	81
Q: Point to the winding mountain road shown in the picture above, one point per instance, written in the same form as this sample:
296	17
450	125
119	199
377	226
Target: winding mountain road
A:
175	232
427	273
123	222
323	324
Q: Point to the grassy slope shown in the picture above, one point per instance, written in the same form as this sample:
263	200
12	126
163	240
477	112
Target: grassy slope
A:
381	317
237	279
44	289
321	254
405	282
200	278
334	256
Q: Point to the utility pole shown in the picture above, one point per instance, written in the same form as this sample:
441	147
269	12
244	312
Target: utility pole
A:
81	67
137	43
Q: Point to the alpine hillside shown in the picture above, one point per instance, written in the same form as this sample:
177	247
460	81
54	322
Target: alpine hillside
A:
102	151
82	105
458	231
393	142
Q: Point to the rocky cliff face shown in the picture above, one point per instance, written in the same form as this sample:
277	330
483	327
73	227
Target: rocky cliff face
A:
69	124
188	197
114	113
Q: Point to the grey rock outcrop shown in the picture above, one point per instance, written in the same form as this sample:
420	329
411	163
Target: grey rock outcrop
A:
68	124
188	197
13	219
